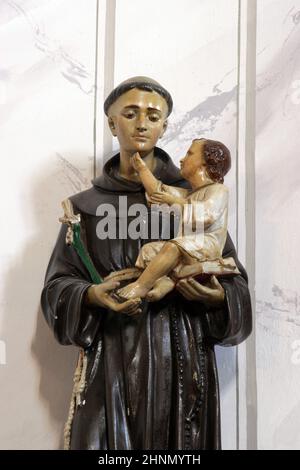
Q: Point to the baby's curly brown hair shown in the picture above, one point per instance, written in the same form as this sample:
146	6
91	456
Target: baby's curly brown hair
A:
217	158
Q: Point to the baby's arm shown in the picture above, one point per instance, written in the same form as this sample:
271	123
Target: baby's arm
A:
149	181
158	193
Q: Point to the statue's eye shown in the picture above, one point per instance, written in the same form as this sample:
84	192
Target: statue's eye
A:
129	114
154	117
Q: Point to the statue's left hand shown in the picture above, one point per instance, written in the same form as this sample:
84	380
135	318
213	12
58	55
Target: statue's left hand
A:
212	294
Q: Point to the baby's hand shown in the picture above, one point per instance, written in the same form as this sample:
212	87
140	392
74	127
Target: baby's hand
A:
137	162
162	198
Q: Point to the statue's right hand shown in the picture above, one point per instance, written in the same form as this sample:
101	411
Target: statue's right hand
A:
124	274
98	294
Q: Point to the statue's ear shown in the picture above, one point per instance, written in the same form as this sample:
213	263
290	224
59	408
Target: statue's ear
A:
165	125
112	126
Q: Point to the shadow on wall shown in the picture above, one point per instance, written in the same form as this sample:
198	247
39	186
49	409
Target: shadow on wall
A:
33	354
226	364
57	365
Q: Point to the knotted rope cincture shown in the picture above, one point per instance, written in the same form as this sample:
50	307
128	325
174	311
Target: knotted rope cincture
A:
78	388
73	238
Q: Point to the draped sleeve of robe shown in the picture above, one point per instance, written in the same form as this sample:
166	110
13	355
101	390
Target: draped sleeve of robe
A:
151	381
63	297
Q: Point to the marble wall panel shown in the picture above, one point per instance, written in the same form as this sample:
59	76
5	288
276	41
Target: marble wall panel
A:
277	224
47	75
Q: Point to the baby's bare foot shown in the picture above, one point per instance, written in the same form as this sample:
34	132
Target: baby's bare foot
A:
132	291
162	287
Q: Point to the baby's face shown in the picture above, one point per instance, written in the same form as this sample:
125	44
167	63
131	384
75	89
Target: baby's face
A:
193	160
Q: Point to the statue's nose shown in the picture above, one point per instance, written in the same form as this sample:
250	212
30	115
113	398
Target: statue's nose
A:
141	123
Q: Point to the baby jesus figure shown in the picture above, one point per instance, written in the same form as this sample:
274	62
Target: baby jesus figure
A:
162	262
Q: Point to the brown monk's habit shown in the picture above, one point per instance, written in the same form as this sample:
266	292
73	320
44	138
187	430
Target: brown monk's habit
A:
151	380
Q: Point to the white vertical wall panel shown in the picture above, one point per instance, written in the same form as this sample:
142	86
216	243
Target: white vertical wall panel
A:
192	49
47	50
277	224
247	396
